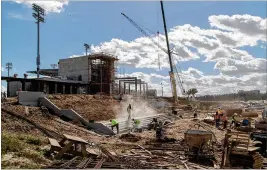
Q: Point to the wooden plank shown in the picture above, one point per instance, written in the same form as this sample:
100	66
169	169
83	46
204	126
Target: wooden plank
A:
74	138
65	149
53	142
144	149
100	163
83	150
185	165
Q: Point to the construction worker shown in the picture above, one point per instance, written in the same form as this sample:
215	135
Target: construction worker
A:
129	109
136	124
233	120
159	132
224	120
114	123
220	112
217	119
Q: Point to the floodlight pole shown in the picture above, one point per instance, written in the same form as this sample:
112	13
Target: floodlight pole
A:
8	67
38	15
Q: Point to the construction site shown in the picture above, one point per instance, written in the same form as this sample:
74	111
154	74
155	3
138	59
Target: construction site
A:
84	115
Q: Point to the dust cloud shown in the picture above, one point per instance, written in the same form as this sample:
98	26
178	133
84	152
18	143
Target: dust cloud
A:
140	108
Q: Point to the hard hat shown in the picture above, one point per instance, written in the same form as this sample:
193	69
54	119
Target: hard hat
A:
235	114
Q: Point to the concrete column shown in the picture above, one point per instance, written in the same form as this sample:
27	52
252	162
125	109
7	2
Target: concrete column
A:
140	87
23	85
135	86
55	87
119	86
70	89
39	86
47	88
63	89
124	87
129	87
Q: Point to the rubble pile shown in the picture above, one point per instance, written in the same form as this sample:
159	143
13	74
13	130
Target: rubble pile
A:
91	107
130	137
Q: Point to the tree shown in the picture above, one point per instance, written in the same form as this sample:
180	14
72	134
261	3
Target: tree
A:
191	92
194	91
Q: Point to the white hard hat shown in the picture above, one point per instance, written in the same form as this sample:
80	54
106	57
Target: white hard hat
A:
235	114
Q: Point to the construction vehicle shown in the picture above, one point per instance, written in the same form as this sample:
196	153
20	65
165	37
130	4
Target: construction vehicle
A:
240	151
169	52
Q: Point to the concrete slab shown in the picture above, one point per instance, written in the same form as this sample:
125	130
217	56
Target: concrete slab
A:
28	98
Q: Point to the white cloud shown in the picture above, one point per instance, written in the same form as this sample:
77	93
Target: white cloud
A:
252	26
2	69
220	44
48	6
239	67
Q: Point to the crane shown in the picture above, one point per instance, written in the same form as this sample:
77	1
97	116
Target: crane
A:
172	77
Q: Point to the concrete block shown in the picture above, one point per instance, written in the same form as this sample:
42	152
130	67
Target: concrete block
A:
28	98
47	103
71	114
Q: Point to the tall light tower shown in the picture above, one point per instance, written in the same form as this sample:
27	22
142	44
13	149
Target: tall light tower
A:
8	67
38	14
161	90
86	48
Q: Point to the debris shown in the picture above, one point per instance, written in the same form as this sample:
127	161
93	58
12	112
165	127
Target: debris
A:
145	149
130	137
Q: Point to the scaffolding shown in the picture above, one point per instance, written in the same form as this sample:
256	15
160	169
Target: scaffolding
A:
101	73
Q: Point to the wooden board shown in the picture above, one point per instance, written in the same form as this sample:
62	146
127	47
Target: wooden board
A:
74	138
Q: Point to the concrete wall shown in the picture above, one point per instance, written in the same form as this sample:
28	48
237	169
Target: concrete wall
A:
29	98
73	67
14	86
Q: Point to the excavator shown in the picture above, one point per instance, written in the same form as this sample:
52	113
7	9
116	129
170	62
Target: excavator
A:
173	72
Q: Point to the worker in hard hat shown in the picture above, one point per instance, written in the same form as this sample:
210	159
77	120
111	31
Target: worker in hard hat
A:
136	123
114	123
217	119
233	120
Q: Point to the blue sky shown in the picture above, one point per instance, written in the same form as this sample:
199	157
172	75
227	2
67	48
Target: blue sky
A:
64	33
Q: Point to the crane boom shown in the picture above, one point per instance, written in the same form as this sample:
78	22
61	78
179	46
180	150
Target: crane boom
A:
163	49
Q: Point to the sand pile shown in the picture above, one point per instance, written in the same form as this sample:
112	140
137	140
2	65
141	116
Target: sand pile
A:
88	106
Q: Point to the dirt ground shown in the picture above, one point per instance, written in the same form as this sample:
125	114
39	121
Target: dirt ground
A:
91	107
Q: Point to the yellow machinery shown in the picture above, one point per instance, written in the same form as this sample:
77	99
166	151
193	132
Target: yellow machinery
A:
240	151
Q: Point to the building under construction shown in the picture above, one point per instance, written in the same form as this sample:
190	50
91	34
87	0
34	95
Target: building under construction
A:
90	74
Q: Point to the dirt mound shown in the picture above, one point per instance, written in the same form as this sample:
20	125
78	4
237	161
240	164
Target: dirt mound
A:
91	107
130	137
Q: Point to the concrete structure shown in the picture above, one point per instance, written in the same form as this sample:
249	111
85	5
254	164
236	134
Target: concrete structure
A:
29	98
47	85
96	69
